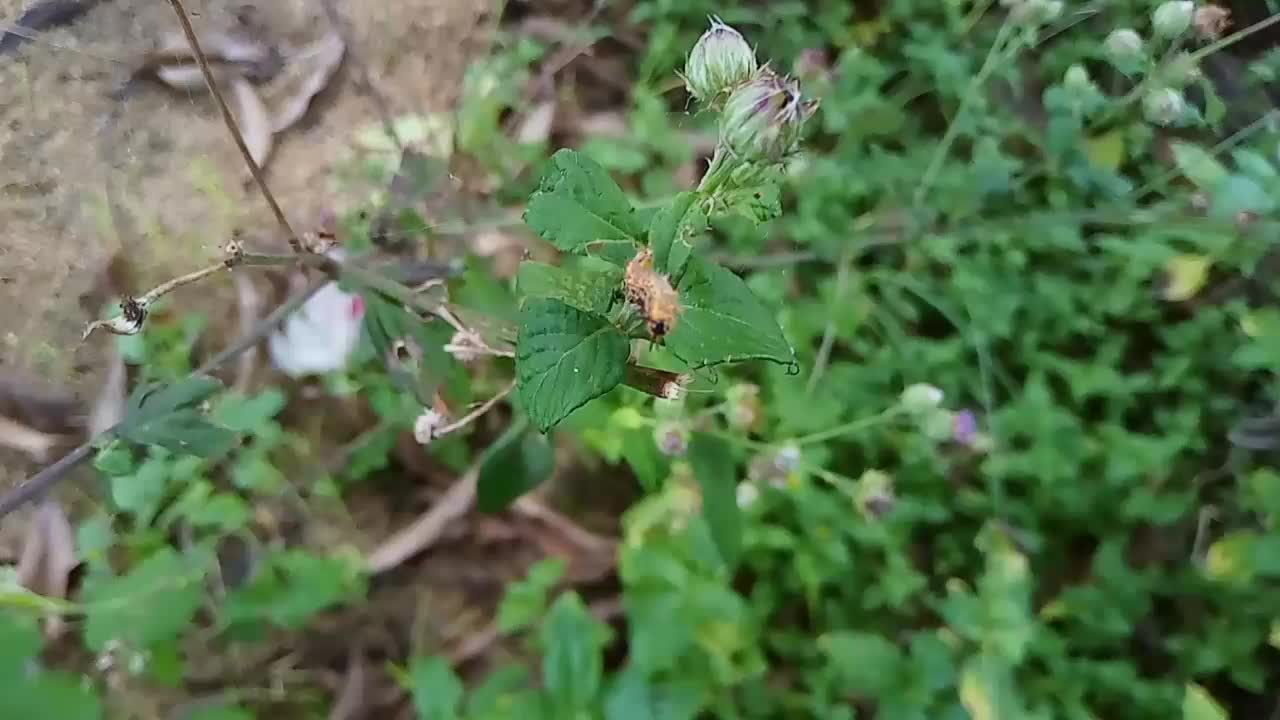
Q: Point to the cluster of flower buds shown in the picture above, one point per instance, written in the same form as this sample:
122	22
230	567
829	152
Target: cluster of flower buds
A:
764	112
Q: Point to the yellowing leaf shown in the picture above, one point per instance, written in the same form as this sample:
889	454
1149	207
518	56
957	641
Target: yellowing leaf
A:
1228	558
1185	275
975	694
1198	704
1106	150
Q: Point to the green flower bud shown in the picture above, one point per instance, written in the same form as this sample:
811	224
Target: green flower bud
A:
763	118
1124	48
719	62
1164	106
1173	18
920	398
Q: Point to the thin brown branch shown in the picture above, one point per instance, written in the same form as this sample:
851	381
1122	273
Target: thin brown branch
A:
40	483
470	417
233	127
428	528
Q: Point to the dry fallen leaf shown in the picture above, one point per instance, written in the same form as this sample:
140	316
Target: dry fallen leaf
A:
253	118
537	123
38	445
306	74
48	557
108	406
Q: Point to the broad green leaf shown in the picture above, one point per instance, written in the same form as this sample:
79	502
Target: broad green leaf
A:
1106	151
437	691
1236	194
633	697
863	663
243	413
152	603
671	232
164	416
19	643
715	470
590	286
388	323
1184	276
1198	704
518	462
50	694
1200	167
572	666
115	459
758	203
524	601
577	204
722	321
564	358
292	587
141	493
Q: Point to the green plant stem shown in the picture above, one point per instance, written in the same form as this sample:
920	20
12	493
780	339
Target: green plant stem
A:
850	427
717	172
953	128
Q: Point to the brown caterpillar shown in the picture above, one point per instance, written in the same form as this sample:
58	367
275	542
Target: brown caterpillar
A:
651	292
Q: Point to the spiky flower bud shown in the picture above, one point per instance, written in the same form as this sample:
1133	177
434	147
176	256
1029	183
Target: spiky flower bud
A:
920	398
1164	106
1124	48
1173	18
720	61
763	118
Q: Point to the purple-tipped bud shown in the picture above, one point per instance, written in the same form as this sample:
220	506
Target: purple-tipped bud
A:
719	62
672	439
763	118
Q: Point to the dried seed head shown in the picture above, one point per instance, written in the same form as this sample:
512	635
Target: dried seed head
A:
133	315
466	346
672	439
426	426
1172	18
1210	21
651	292
743	409
720	61
763	118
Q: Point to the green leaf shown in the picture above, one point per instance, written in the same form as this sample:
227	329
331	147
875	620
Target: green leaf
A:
577	204
292	587
152	603
1198	704
164	416
564	358
517	463
1198	165
572	665
243	413
671	231
115	459
437	691
715	470
525	601
591	286
758	203
723	321
632	697
863	663
141	493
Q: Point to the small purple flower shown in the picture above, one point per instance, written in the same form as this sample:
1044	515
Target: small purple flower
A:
964	428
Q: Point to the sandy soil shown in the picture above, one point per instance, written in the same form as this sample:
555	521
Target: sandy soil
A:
166	157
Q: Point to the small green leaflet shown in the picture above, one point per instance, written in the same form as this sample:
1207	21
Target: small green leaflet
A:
577	204
572	666
437	691
591	286
714	468
153	603
671	232
166	416
564	358
517	463
758	203
723	321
